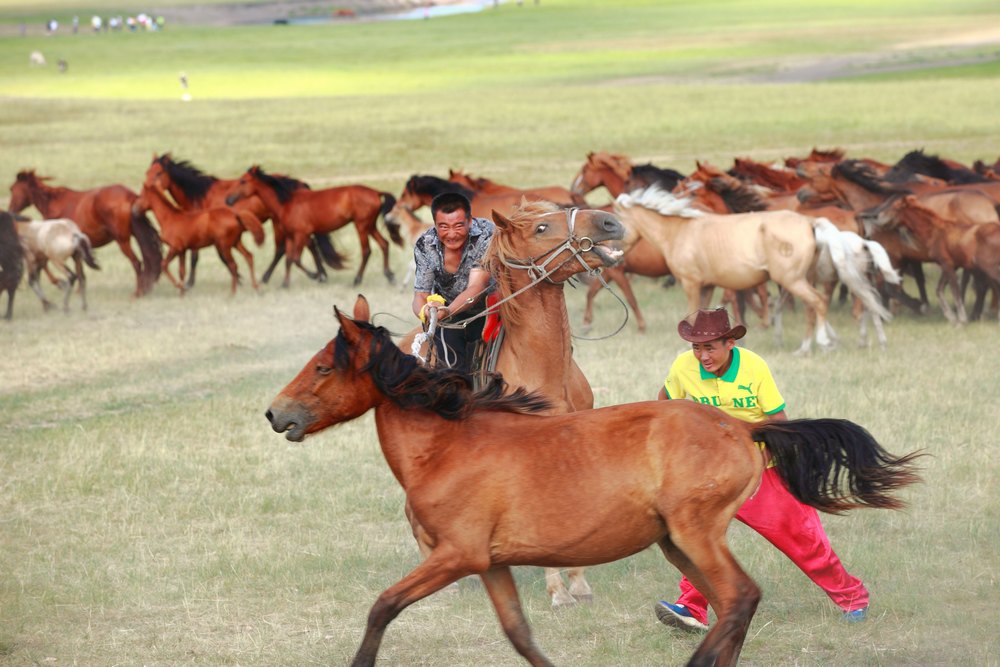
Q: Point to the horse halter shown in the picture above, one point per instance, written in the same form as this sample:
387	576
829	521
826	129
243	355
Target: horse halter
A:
539	272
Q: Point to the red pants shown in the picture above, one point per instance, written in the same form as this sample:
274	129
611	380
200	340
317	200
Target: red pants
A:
796	531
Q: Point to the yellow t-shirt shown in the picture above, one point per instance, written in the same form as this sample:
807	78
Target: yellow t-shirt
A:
746	390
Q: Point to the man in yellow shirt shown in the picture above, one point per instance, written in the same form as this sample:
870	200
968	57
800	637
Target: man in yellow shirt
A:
737	381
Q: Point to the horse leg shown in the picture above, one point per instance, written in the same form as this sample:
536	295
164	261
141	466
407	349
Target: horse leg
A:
500	586
625	285
383	244
917	269
68	285
709	565
126	249
165	269
443	566
226	253
194	264
366	252
313	247
35	285
240	248
82	277
579	587
279	250
557	589
815	315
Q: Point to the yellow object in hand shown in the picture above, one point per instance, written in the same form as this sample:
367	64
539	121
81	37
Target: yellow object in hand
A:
431	298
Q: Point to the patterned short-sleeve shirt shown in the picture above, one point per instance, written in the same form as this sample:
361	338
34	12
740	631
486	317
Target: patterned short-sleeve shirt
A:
428	255
746	390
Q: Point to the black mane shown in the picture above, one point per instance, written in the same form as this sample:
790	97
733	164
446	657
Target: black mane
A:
431	186
283	186
193	182
645	175
446	392
738	196
917	162
861	174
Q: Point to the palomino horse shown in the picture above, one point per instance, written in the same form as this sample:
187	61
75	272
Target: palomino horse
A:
484	186
11	260
478	473
193	189
532	255
737	251
57	241
304	213
952	245
103	214
190	230
420	190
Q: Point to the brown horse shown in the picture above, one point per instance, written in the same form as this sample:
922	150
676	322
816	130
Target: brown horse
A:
737	251
952	245
617	174
420	190
484	186
305	212
104	214
190	230
477	470
532	255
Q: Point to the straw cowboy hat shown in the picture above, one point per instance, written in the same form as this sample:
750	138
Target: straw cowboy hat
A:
702	326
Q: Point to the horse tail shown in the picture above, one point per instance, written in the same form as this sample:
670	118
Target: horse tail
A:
84	248
333	259
835	465
149	244
388	201
848	262
880	258
252	224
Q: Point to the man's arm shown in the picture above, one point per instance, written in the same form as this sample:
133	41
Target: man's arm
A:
662	396
479	280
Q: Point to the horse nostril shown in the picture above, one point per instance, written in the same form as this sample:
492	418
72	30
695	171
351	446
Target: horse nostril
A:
269	415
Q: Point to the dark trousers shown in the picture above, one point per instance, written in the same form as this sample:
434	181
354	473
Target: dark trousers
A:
456	347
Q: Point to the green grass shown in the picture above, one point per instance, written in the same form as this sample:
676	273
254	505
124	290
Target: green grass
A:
150	516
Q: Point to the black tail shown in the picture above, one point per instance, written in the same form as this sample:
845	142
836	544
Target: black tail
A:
835	465
388	201
152	252
332	258
87	255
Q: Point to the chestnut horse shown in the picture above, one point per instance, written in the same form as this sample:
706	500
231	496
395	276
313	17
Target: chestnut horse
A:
104	214
532	255
190	230
736	251
952	245
484	186
193	189
305	212
420	190
617	174
477	470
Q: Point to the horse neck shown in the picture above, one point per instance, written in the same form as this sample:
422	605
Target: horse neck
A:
49	200
922	222
856	196
180	196
410	438
614	183
166	213
269	197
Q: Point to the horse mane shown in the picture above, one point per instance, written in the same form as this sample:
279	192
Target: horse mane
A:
863	175
284	186
501	249
446	392
659	200
918	162
776	179
191	180
424	184
738	196
645	175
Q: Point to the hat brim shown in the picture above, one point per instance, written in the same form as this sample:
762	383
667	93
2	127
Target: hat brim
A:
684	330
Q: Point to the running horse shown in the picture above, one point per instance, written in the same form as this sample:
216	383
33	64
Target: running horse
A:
304	213
484	186
478	470
532	255
193	189
56	241
420	190
104	214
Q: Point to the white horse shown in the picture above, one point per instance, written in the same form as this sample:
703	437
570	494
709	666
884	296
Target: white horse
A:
56	240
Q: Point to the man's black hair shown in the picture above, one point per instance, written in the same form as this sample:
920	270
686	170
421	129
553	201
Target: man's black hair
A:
449	202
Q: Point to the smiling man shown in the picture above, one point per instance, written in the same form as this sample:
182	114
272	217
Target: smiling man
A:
737	381
450	276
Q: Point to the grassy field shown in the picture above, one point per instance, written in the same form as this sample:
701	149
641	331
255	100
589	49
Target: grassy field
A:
150	516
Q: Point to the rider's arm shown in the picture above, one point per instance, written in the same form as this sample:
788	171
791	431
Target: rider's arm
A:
479	280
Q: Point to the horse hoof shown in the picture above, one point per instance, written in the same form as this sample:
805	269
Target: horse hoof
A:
562	599
585	598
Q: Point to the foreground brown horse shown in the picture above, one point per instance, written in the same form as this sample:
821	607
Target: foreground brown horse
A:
303	213
104	214
190	230
477	469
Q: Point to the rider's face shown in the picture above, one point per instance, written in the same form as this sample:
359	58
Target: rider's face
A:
452	228
714	355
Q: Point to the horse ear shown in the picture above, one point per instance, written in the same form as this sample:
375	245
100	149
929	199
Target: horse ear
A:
500	221
350	330
361	309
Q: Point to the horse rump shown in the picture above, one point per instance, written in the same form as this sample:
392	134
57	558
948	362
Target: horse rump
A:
85	251
836	465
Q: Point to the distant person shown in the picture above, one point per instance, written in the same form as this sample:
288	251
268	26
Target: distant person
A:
95	23
76	24
737	381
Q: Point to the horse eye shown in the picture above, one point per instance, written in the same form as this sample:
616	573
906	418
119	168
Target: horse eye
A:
541	229
324	370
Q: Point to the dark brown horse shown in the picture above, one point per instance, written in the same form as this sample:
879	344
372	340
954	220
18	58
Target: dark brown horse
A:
104	214
11	260
193	189
304	213
477	472
190	230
